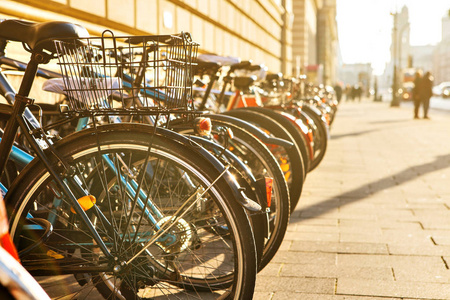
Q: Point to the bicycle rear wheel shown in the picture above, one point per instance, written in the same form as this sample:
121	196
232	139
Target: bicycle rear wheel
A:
178	235
263	164
290	159
321	138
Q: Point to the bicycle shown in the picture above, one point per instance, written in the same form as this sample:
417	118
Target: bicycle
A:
289	157
121	246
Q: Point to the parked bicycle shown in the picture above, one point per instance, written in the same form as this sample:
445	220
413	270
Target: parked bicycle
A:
133	210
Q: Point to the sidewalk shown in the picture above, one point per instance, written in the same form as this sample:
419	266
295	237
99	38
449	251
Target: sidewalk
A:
374	218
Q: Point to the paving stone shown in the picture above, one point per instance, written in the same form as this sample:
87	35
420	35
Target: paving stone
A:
309	271
407	236
418	250
339	247
380	288
272	269
313	228
295	257
372	237
263	295
313	221
311	236
295	285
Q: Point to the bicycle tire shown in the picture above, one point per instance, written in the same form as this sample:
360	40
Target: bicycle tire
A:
228	216
295	132
295	166
262	162
322	129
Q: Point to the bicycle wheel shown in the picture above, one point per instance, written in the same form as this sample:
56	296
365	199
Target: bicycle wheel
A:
320	139
179	235
290	159
292	129
263	164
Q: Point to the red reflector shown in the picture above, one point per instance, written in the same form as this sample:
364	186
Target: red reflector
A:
7	244
269	185
202	126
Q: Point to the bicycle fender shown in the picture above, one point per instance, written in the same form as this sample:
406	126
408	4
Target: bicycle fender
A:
264	137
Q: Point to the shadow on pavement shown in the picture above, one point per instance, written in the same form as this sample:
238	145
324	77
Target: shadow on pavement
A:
390	121
339	136
313	211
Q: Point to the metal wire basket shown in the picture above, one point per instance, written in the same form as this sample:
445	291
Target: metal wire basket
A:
127	75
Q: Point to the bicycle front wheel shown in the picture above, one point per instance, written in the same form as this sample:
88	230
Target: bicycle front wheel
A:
164	214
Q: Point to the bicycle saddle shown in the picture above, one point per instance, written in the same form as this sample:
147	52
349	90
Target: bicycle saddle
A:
206	67
274	77
33	34
243	83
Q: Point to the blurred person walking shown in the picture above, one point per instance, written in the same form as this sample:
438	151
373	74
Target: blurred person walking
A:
338	91
416	93
426	92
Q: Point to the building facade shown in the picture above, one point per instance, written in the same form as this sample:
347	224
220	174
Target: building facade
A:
441	57
315	41
285	35
250	29
328	41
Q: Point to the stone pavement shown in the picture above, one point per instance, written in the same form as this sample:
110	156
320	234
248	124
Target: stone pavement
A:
374	219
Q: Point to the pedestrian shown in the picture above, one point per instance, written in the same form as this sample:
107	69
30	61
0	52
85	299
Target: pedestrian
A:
426	92
416	93
359	92
353	92
338	91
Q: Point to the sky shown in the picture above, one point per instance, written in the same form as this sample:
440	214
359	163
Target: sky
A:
365	26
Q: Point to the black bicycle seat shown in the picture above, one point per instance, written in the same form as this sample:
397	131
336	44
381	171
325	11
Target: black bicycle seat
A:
33	34
243	83
206	67
274	76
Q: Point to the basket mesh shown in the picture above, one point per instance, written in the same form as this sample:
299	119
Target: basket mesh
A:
120	75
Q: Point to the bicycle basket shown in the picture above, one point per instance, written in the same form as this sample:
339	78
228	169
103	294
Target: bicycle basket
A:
122	75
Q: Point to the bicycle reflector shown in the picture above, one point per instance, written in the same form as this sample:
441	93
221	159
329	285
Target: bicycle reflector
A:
269	186
265	184
230	133
202	126
86	202
5	239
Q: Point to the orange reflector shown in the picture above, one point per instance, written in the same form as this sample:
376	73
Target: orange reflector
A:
86	202
311	144
269	186
327	117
